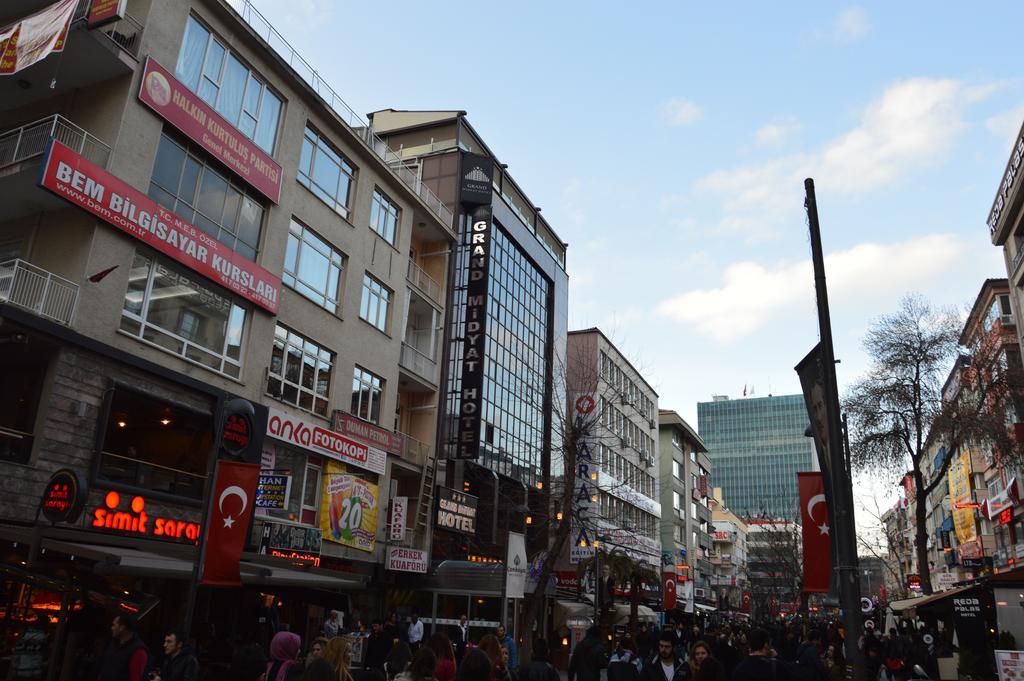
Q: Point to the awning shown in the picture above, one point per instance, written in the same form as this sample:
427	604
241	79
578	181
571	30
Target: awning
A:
706	608
571	609
901	605
643	614
936	600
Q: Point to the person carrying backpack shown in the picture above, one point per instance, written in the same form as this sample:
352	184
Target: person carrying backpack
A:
624	664
539	668
808	665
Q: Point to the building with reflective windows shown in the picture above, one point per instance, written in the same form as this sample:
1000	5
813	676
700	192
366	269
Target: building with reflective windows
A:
192	214
525	335
757	446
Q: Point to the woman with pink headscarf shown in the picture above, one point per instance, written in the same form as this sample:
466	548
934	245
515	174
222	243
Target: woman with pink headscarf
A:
284	648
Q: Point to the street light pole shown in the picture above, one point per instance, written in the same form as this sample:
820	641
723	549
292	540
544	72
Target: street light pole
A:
844	536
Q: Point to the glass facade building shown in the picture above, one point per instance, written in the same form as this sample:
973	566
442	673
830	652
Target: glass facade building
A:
757	446
517	359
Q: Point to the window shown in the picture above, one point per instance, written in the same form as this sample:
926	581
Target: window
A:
367	394
24	376
300	371
313	267
184	184
155	445
326	173
374	305
210	70
311	493
384	216
693	511
676	501
174	311
677	470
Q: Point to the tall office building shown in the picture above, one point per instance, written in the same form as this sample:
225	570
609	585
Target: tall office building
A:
756	447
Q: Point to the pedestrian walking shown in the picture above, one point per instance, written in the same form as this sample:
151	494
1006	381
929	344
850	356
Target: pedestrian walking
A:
248	663
29	658
508	641
441	645
180	664
703	665
319	670
587	659
378	646
397	660
126	656
624	664
414	633
667	665
540	667
421	668
338	654
460	637
284	653
475	666
809	665
334	625
760	664
489	644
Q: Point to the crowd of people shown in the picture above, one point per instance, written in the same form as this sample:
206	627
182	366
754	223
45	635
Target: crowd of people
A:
391	651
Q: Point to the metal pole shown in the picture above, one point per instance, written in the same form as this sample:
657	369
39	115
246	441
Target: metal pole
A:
845	531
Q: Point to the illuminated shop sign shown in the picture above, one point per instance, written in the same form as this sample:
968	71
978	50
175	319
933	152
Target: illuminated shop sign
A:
134	520
316	438
64	497
456	511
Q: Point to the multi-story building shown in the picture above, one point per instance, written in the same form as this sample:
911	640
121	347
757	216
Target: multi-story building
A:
729	558
757	446
1006	229
503	347
899	542
686	522
192	215
774	565
629	507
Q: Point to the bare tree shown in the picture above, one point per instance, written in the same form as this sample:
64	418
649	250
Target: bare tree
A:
777	556
904	404
882	544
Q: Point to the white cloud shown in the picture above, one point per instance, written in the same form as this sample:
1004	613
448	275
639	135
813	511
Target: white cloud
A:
777	133
912	125
751	294
1007	124
679	111
851	25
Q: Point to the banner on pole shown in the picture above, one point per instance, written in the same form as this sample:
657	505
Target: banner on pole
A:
230	510
816	538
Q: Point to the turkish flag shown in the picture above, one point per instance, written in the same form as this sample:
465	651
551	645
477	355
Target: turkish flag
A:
817	540
234	495
669	597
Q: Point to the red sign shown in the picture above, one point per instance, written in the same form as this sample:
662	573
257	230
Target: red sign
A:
702	485
135	520
103	12
669	595
369	433
745	606
96	191
567	579
817	542
230	510
63	497
237	433
585	404
308	435
35	37
183	109
1005	517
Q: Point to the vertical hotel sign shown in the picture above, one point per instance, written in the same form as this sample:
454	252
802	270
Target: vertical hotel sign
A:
474	191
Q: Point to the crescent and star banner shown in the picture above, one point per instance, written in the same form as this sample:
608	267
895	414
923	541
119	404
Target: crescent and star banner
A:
816	537
230	510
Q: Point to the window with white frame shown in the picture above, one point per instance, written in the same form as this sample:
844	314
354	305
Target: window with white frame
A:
208	68
300	371
172	310
375	301
384	216
677	470
326	172
311	493
313	267
367	394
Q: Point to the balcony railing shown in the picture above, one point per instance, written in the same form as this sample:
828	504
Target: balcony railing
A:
126	34
359	126
30	140
415	451
418	363
34	289
418	277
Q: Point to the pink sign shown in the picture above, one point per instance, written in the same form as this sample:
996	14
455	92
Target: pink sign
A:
83	183
312	436
183	109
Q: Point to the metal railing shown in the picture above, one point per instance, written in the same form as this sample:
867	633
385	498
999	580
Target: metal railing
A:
30	140
126	34
416	451
419	278
33	288
359	125
418	363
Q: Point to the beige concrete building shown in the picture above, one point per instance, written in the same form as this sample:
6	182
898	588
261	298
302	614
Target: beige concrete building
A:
293	261
729	558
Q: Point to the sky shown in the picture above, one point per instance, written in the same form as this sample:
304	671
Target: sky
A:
667	143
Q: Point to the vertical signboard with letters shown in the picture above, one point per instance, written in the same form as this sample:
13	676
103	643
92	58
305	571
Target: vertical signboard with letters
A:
475	197
585	487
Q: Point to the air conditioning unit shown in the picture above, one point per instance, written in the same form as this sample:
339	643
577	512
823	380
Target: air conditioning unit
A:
625	398
650	422
623	442
1007	320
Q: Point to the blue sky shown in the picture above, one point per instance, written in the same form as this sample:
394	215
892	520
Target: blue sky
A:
667	143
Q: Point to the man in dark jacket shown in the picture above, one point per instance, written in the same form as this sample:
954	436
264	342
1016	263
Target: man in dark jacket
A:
460	638
761	664
378	645
126	657
666	665
588	658
808	658
179	663
539	668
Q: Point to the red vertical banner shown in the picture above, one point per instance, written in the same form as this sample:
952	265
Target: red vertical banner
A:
745	603
816	538
668	579
230	511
